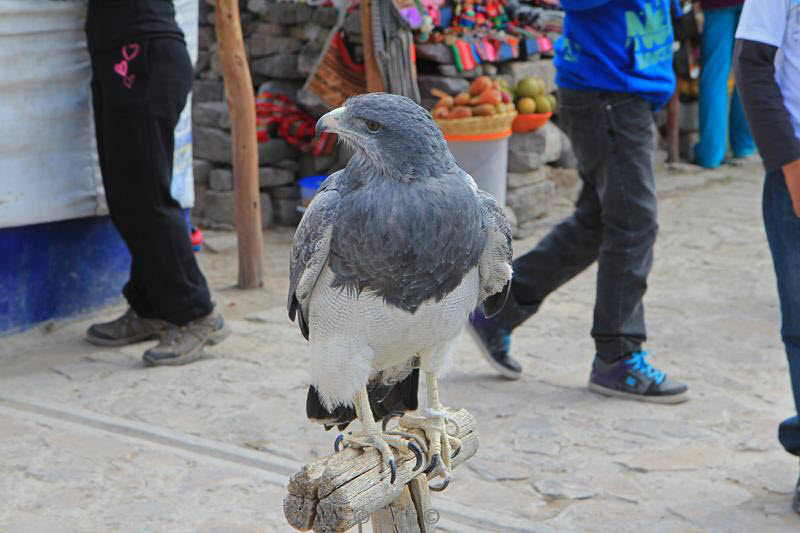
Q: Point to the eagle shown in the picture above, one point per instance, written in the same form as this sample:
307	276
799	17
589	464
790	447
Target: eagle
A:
390	258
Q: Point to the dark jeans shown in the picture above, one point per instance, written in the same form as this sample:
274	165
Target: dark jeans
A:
614	221
138	92
783	234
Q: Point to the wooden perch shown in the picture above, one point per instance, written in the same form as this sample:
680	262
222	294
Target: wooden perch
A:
335	493
242	110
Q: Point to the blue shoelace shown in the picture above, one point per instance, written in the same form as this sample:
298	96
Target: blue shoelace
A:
498	341
638	362
505	340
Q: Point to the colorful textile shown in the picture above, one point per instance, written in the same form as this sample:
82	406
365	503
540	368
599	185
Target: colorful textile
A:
463	55
294	125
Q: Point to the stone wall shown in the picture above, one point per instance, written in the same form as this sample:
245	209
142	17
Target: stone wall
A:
541	166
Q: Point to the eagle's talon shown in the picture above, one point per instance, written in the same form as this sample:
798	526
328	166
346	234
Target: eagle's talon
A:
419	441
388	418
393	468
440	488
455	453
457	426
338	442
435	460
455	444
417	453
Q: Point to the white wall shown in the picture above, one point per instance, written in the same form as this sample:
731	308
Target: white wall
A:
48	157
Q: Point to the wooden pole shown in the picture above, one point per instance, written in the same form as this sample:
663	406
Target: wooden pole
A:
242	110
673	128
410	513
373	75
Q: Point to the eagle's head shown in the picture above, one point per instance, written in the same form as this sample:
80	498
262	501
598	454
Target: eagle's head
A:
391	135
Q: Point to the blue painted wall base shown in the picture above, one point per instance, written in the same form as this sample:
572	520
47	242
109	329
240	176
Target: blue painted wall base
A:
59	269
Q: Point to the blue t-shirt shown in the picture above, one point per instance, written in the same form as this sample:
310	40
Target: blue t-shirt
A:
622	46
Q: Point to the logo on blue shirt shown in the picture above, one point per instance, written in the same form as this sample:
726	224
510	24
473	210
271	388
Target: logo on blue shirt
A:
649	34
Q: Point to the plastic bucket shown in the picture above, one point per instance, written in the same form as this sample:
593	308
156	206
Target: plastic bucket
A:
485	158
309	187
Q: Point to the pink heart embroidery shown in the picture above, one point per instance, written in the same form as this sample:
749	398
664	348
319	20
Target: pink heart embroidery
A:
128	80
121	68
129	51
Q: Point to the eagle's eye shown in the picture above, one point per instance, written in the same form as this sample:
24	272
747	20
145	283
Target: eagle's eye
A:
372	126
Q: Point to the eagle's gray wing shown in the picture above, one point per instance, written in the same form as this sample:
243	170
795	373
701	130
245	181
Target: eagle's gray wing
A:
310	249
495	262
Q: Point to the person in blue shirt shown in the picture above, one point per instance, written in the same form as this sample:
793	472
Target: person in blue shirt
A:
614	67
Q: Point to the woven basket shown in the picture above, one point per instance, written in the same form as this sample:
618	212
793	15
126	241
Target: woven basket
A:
498	123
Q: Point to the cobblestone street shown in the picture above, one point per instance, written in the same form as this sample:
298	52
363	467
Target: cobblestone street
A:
92	441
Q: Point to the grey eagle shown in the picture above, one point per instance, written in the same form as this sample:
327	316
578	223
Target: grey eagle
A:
389	260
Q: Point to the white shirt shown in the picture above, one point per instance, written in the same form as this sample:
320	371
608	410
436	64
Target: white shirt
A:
777	23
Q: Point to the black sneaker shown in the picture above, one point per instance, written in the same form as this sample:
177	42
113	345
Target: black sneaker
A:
796	498
634	378
494	343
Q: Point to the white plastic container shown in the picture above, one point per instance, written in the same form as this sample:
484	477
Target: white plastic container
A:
485	161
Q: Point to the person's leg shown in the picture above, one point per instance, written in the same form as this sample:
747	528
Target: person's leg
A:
717	53
134	325
742	143
141	110
628	198
783	234
138	134
572	245
567	250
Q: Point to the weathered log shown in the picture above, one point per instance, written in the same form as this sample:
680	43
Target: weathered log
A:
410	513
336	492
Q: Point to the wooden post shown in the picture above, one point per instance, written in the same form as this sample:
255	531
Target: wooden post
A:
373	75
412	512
347	488
673	128
242	110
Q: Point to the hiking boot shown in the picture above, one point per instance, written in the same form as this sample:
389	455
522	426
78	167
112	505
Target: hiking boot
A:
184	344
635	379
127	329
494	344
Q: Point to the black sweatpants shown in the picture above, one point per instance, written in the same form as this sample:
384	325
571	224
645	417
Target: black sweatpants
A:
138	92
614	222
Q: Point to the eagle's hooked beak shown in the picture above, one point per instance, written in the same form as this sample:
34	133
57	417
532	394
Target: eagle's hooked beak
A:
331	122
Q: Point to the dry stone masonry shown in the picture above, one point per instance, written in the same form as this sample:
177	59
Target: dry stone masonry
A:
282	42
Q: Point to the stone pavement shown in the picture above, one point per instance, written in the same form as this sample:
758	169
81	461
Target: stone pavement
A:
92	441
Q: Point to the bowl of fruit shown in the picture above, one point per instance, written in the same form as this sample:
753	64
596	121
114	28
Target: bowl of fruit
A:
533	104
485	110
